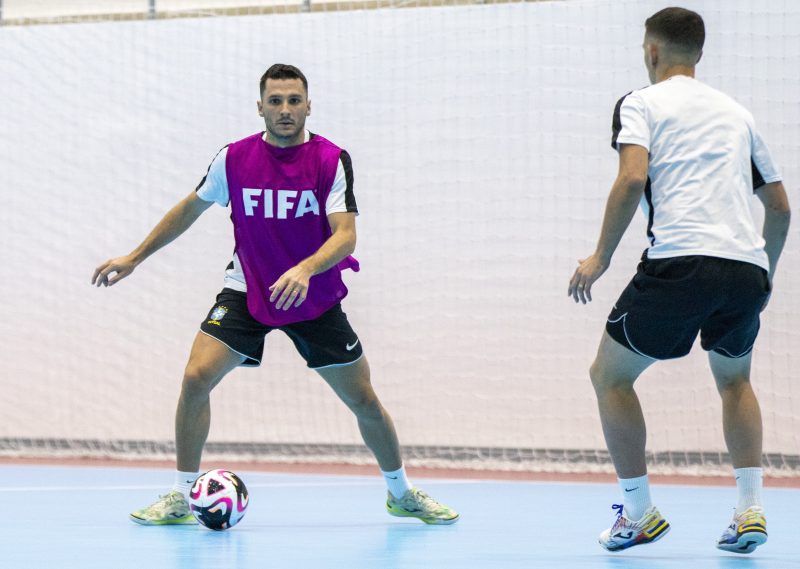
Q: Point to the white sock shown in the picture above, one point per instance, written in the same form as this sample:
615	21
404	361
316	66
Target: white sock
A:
397	481
635	497
183	482
748	482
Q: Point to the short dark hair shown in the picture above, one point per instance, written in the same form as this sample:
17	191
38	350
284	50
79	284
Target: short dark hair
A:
282	71
681	29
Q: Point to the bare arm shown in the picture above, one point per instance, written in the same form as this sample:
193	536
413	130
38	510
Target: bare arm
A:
777	216
292	287
172	225
620	208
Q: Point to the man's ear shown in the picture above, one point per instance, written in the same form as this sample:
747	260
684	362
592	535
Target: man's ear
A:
652	53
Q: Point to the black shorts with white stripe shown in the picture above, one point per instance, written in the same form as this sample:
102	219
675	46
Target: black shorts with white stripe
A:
669	301
326	341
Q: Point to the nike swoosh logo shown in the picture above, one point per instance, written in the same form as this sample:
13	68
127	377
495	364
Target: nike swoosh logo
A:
392	477
349	347
632	489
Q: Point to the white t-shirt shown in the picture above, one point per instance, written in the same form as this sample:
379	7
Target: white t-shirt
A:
214	188
706	159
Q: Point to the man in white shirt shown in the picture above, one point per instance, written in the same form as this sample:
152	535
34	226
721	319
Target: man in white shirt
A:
692	157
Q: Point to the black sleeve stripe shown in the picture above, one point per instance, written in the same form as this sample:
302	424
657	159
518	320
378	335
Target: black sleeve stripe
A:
349	196
758	179
616	122
648	195
203	181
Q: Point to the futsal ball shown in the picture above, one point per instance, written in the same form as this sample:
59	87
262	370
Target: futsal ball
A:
218	499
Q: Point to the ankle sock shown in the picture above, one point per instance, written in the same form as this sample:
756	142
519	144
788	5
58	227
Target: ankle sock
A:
397	481
184	481
748	483
635	497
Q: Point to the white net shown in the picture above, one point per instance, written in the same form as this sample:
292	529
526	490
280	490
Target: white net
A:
480	142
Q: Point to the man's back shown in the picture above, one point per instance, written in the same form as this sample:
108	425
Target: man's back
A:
705	159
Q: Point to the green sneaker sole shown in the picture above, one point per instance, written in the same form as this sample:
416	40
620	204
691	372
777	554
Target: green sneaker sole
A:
184	521
428	520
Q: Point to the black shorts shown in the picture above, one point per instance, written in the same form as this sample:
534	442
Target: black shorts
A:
669	301
324	342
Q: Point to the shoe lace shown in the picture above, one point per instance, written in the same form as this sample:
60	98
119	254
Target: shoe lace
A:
424	500
172	497
621	521
164	501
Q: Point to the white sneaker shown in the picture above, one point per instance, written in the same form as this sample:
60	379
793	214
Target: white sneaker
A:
626	533
747	531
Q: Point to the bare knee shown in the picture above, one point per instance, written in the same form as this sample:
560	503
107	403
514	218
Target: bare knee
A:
598	376
594	374
365	405
605	379
198	382
733	385
732	375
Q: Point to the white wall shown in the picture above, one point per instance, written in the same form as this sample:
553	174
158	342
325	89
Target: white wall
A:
25	10
15	9
480	141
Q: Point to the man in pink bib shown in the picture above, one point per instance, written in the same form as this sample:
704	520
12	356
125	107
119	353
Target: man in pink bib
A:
293	213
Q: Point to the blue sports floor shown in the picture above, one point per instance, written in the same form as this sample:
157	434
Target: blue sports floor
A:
65	517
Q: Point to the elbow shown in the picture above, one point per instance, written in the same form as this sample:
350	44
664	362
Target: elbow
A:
775	200
634	184
630	187
351	243
781	215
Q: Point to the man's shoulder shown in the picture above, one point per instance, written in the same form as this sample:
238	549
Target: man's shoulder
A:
621	100
635	98
325	142
714	98
248	139
669	93
635	93
725	98
681	86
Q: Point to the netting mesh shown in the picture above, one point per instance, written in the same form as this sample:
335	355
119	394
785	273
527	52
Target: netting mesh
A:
480	142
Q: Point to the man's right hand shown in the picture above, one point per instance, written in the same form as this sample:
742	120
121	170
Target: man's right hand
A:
122	266
589	270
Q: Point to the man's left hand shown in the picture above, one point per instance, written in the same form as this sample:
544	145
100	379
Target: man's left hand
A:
291	288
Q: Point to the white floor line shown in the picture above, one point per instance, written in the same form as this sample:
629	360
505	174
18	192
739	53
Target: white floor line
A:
165	486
